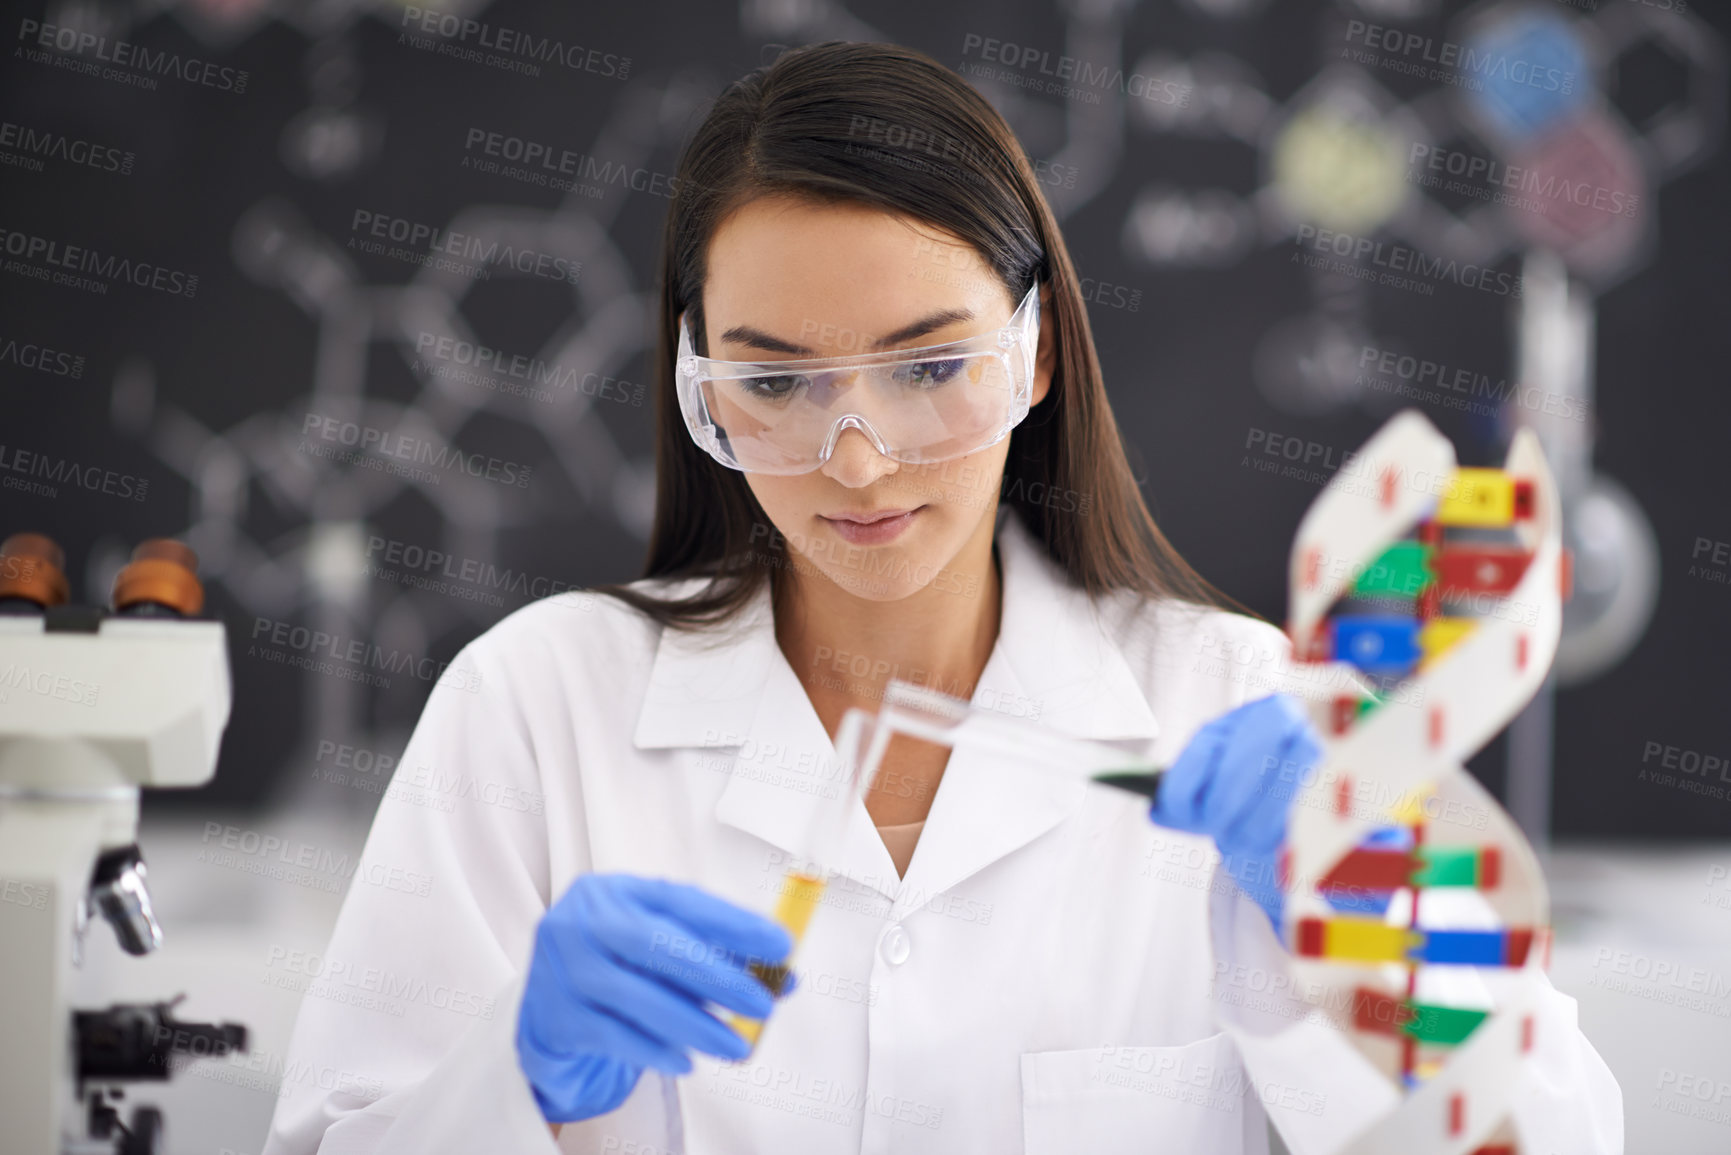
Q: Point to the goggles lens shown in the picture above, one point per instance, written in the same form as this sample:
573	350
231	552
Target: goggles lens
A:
916	405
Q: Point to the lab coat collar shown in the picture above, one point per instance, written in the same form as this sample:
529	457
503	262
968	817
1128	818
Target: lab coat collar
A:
1053	663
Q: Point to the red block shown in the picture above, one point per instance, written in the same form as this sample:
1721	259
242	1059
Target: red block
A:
1372	870
1519	943
1373	1011
1480	569
1490	867
1523	500
1344	710
1310	935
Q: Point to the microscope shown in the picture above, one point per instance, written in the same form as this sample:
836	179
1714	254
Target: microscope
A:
95	702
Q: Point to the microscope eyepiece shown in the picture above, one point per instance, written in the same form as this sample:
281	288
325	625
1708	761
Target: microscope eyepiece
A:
161	580
32	574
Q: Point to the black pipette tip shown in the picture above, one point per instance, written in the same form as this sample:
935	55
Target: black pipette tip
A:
1143	782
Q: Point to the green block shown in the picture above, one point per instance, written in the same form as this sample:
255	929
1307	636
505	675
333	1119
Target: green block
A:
1403	570
1445	1025
1447	866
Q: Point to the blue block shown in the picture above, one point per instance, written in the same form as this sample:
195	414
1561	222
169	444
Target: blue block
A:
1526	73
1480	948
1377	643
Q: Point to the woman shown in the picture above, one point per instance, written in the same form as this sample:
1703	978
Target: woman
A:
1006	964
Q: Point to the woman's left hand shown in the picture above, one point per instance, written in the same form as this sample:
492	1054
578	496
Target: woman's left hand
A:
1235	781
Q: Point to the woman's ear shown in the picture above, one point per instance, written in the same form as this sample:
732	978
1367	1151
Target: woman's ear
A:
1046	355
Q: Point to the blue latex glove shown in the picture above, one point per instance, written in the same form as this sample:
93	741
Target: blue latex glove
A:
1235	781
621	970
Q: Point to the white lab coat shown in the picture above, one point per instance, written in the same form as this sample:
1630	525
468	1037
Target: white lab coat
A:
1043	979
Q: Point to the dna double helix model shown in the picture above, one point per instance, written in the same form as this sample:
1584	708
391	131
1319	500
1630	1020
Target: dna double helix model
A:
1426	602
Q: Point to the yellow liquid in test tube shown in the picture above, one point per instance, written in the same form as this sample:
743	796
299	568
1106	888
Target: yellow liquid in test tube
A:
800	894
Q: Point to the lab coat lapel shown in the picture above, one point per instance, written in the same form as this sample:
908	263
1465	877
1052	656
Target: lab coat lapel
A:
736	692
1053	665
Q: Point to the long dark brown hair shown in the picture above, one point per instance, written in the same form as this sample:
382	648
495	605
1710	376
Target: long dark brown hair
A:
886	126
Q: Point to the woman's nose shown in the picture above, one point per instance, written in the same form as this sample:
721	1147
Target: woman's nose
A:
855	461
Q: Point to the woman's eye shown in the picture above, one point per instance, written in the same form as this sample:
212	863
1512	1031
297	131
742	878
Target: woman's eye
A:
930	374
776	388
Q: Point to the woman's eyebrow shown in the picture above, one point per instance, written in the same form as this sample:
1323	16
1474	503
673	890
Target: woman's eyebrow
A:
758	339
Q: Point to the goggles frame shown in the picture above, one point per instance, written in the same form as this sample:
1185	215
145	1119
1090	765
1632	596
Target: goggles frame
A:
1015	342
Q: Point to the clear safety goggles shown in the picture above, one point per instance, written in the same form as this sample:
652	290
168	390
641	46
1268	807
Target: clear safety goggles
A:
917	406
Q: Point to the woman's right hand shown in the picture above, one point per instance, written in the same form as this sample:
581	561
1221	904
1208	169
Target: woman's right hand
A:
621	970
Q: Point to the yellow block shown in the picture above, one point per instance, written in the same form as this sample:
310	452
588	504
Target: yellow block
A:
1367	940
1439	635
1479	497
799	898
1409	810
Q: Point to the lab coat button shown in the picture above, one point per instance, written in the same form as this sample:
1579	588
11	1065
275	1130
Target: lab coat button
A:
895	946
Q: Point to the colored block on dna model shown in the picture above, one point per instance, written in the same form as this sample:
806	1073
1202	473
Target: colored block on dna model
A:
1376	643
1480	570
1372	870
1477	497
1358	939
1439	635
1402	570
1474	866
1446	1026
1482	948
1371	940
1426	1022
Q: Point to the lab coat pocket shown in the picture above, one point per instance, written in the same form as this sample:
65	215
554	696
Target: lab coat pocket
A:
1117	1100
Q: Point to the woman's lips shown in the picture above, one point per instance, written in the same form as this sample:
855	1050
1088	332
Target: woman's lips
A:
876	532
